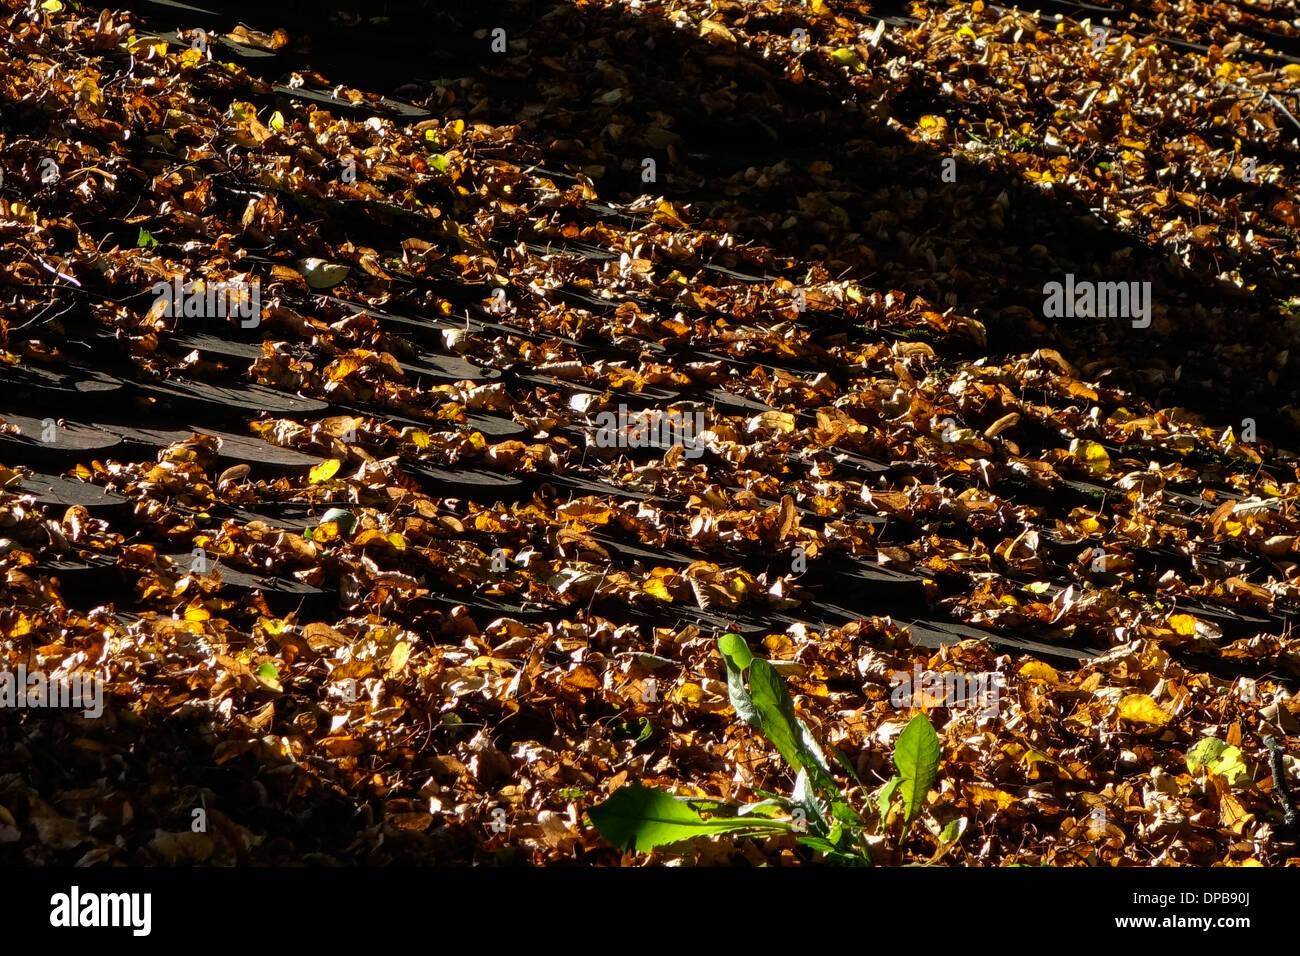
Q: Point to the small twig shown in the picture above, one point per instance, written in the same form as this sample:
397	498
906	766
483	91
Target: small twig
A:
1290	818
40	317
1278	103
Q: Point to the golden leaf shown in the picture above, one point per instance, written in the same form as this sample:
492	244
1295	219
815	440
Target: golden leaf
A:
1092	455
324	471
1141	709
1001	425
714	28
1037	670
397	660
655	586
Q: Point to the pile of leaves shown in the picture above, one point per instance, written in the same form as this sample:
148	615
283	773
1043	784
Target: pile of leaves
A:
479	664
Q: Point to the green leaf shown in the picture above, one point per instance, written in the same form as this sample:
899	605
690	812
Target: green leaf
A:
735	650
268	672
844	762
953	831
820	844
949	838
641	731
806	800
887	794
321	274
916	755
766	705
769	809
439	162
737	657
145	241
1216	756
1205	752
847	56
845	815
775	711
642	818
346	521
860	857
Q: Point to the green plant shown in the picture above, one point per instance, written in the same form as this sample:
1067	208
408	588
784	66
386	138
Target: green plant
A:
642	818
916	758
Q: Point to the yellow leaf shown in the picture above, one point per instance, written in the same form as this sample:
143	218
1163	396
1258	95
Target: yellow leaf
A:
1141	709
657	587
1037	670
689	694
1032	757
51	6
343	368
21	627
773	421
88	91
1232	814
667	214
1079	390
19	212
712	27
981	794
370	536
325	532
324	471
1092	455
276	121
589	511
397	660
1183	624
847	56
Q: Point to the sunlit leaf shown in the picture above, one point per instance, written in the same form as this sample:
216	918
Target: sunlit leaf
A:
640	818
324	471
1141	709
